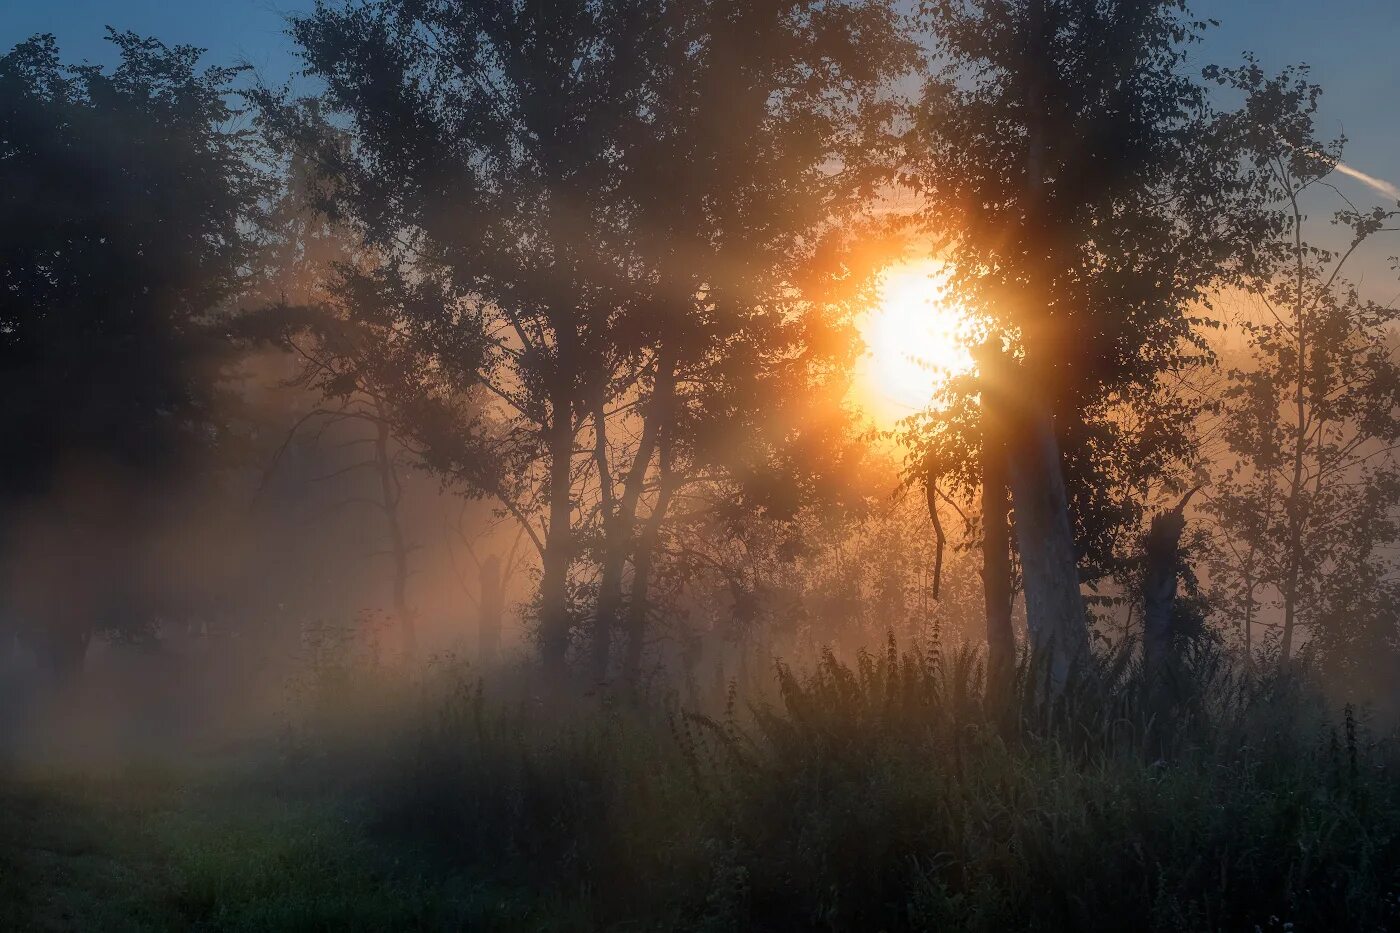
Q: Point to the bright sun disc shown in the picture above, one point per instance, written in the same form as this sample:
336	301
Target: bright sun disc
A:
916	337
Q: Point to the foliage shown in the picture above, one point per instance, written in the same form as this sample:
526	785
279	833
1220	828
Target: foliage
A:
1087	196
127	195
884	795
1305	499
128	207
588	212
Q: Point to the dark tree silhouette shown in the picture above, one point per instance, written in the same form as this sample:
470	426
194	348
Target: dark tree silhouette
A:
127	201
614	214
766	137
1085	195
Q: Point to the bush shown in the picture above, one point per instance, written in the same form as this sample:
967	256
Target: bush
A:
887	794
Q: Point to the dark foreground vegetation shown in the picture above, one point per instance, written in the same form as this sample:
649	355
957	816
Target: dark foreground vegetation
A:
883	795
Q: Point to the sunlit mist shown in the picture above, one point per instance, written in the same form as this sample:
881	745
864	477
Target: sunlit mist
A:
517	465
916	336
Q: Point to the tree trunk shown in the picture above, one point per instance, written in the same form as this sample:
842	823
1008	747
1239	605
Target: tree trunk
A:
390	494
996	571
557	559
996	530
1249	625
1290	597
616	529
488	633
607	608
1049	567
1159	591
1294	503
640	603
639	606
621	515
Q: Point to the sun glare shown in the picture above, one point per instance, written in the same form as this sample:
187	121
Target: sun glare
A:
916	337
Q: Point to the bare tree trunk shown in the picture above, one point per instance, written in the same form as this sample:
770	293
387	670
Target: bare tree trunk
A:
640	602
390	494
996	531
609	600
1055	612
1159	588
1044	537
1295	506
637	610
1290	596
492	611
1249	625
608	606
996	577
621	515
1294	503
557	558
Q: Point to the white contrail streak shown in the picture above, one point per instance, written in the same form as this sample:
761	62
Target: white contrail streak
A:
1377	184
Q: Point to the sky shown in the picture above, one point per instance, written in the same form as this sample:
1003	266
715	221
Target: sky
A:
1353	47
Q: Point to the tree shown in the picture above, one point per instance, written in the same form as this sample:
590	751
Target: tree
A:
1306	502
128	208
1084	195
591	214
468	175
488	597
1161	573
766	137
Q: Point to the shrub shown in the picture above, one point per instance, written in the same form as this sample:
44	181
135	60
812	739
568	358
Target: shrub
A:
887	794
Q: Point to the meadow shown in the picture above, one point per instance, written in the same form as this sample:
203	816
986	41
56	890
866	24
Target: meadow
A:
881	794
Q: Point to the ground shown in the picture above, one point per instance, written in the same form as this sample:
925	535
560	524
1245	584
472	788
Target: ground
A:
159	852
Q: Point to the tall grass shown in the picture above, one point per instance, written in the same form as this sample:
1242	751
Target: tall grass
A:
887	794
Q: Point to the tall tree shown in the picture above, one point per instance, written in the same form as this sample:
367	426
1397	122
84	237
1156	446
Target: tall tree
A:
128	203
481	136
592	214
1085	195
766	135
1308	490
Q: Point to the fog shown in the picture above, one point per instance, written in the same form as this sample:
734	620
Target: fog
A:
712	464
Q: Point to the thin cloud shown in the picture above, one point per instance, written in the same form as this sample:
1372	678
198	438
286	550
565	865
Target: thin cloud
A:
1377	184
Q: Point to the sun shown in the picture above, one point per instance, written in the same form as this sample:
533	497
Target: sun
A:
916	337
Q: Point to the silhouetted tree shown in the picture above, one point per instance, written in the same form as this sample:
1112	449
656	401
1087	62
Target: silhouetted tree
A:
766	135
127	205
591	213
1306	503
1085	195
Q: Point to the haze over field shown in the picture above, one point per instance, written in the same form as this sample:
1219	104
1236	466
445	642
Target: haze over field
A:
856	464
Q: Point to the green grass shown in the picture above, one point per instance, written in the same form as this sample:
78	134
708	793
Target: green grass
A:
886	796
130	852
883	795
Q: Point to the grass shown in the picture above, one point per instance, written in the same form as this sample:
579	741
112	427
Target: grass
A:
132	852
884	795
878	795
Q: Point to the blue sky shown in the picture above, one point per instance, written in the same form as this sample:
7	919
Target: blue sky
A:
1353	46
231	30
